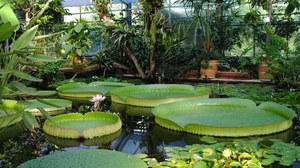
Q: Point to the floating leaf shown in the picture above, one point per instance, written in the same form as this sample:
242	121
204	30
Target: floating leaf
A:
208	139
89	125
86	158
267	161
154	94
229	117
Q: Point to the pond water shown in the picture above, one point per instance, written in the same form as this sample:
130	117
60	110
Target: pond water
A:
139	134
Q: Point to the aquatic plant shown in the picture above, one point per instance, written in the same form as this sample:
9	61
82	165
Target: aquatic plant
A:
253	153
155	94
88	158
82	92
97	100
229	117
76	125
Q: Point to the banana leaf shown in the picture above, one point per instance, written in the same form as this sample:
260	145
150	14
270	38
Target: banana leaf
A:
89	125
87	158
81	92
32	106
155	94
229	117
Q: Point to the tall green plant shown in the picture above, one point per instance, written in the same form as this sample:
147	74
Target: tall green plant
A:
76	41
283	61
19	51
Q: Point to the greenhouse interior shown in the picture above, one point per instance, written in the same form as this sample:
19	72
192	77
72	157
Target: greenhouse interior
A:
150	83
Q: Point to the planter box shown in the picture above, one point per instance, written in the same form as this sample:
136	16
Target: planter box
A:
211	69
232	75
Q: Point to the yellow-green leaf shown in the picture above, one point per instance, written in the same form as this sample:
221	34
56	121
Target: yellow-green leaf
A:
22	88
41	58
7	15
26	76
24	39
6	31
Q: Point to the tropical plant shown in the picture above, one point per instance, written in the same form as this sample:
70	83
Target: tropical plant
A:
49	72
201	116
146	45
51	19
283	61
33	105
76	42
19	52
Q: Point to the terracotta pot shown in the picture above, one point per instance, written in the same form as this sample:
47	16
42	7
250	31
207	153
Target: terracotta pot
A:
263	69
192	74
211	70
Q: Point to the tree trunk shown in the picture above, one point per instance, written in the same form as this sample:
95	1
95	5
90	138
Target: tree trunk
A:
152	62
135	61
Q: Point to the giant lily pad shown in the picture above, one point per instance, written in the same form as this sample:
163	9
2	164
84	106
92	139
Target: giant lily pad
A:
32	106
88	158
89	125
65	142
155	94
224	117
81	92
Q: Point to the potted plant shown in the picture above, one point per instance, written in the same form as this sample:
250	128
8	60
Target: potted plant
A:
284	64
209	66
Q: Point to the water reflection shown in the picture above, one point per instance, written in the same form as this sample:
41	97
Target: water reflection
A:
139	134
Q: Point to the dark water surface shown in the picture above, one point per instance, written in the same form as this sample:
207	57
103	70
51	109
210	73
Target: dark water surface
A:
139	134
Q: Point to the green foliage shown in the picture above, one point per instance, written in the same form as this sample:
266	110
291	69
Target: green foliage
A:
12	113
238	153
76	41
49	72
284	63
105	60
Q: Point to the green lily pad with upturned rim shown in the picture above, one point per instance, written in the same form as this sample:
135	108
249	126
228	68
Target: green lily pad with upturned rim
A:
228	117
81	92
97	141
32	106
87	158
155	94
89	125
